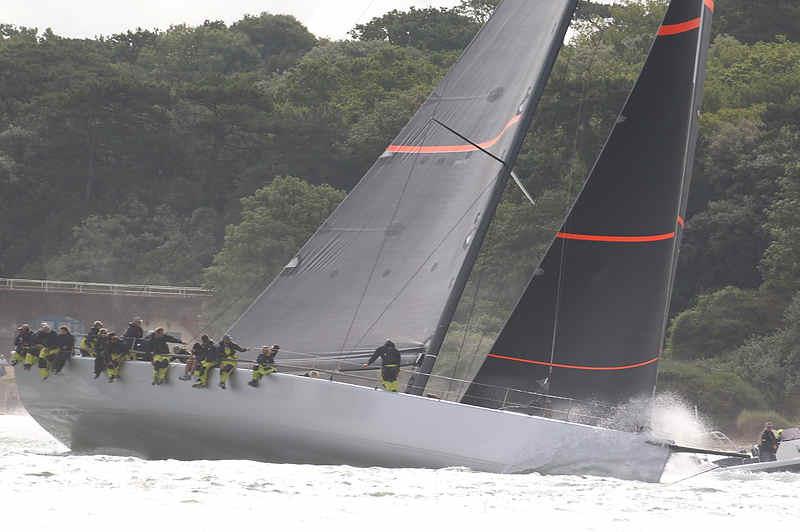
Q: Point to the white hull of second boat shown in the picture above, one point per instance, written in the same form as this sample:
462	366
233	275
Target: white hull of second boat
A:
292	419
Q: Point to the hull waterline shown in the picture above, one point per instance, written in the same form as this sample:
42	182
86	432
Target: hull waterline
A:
292	419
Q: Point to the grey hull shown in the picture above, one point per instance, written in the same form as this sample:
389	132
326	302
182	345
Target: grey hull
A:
292	419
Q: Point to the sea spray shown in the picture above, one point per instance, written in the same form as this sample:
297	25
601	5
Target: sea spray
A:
673	418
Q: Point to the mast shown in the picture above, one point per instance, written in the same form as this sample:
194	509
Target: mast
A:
419	380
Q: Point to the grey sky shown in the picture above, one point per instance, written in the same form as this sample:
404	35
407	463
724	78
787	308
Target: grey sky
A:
88	18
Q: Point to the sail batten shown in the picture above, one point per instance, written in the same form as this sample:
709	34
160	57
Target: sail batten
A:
392	259
591	322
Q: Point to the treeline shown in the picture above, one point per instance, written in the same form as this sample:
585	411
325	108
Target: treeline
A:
163	157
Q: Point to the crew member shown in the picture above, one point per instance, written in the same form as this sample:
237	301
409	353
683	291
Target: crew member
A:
118	351
193	360
66	347
158	349
229	352
264	364
22	344
210	358
390	369
133	335
87	347
768	446
46	346
102	357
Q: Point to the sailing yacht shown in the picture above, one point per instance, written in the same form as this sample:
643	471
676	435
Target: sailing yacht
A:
392	262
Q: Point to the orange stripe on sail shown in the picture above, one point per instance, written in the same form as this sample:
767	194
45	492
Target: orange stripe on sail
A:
616	239
676	29
460	148
581	368
710	5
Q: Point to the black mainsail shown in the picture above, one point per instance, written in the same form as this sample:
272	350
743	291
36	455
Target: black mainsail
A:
591	323
392	260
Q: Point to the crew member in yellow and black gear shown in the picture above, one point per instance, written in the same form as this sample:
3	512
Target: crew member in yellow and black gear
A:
45	345
229	354
265	364
66	347
158	349
22	344
209	359
102	357
87	346
118	352
390	368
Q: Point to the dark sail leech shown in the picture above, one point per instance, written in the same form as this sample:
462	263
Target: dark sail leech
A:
591	323
392	260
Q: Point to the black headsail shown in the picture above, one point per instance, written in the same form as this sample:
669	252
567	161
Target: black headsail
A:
591	323
393	258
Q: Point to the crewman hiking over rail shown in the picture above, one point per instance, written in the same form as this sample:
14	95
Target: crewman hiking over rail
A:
229	351
22	344
118	352
159	350
209	359
45	344
66	347
390	369
264	364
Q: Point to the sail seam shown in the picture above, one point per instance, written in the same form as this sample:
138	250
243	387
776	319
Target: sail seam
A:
575	367
461	148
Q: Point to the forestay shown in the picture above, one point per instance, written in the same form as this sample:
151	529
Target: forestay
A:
392	260
591	322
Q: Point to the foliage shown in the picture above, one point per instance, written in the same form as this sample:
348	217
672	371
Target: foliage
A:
720	322
427	29
718	392
275	221
750	423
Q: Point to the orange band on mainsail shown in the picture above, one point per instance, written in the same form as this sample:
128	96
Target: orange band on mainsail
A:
460	148
570	366
617	239
681	221
683	27
710	5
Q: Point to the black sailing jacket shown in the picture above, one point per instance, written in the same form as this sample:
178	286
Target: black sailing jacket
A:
47	339
157	345
65	342
23	339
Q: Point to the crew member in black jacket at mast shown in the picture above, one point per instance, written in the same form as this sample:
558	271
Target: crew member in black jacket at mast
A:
390	369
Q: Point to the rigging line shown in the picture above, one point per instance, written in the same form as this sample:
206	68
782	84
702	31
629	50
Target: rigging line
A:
557	309
467	327
382	247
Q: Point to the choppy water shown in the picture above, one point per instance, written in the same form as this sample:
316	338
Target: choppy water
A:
42	487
